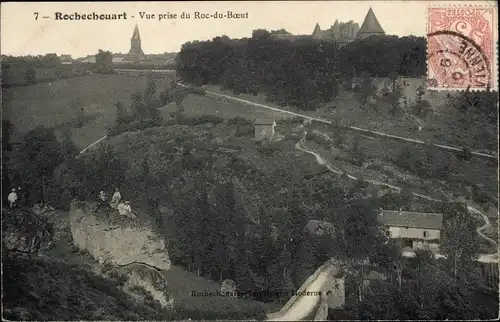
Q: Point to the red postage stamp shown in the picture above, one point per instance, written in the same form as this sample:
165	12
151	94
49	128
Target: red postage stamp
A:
462	48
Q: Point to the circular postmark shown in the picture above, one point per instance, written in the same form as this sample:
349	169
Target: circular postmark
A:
456	61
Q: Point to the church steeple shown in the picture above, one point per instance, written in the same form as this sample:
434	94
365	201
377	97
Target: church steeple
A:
370	26
136	35
135	43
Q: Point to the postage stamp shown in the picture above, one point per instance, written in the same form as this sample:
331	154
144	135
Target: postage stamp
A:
461	48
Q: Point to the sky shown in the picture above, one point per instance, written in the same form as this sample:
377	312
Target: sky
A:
22	34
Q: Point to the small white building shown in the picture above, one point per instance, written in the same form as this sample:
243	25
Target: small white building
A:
264	129
415	229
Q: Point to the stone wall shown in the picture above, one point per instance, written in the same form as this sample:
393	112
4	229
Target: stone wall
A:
115	239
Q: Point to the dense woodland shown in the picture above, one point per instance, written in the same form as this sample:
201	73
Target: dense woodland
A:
303	72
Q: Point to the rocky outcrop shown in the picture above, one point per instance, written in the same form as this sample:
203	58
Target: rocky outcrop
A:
115	239
26	230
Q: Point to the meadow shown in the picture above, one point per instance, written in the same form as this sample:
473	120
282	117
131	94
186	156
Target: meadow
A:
56	104
439	126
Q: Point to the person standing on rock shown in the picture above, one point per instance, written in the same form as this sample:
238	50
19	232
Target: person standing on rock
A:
115	200
12	198
127	209
102	201
121	209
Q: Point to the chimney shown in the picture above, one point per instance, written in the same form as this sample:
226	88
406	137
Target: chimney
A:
400	211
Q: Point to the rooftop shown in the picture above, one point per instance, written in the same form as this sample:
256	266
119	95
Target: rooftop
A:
411	219
264	122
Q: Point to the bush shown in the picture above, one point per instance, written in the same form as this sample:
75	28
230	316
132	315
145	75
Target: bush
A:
238	120
198	91
199	120
268	149
24	231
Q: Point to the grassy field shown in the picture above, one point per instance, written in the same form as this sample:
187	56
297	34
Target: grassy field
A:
54	104
347	110
380	164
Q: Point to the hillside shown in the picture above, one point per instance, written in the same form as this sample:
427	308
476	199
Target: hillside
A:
57	104
67	283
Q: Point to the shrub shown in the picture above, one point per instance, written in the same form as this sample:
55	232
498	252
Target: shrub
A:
24	231
118	279
198	91
268	149
238	120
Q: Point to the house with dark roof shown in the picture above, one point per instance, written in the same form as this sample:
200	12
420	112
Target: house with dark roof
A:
415	229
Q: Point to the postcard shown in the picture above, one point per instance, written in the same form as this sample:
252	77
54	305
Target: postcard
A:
250	160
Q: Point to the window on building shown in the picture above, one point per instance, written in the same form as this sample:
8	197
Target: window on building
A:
425	234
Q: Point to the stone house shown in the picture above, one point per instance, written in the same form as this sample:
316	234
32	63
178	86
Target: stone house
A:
416	230
264	129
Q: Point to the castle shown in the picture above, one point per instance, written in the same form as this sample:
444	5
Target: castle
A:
341	32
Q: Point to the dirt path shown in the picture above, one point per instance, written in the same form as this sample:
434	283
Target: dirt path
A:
369	132
482	257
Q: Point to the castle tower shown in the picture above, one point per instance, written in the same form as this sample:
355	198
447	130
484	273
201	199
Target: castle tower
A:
317	33
370	26
135	43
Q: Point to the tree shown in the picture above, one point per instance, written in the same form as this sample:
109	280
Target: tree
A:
366	90
104	62
6	148
68	147
78	106
122	116
150	89
460	242
422	107
30	74
41	155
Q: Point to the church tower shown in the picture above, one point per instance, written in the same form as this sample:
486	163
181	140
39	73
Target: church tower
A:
135	43
370	26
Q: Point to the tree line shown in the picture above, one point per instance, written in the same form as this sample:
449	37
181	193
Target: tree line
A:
303	72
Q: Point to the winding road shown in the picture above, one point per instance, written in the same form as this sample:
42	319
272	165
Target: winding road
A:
354	128
485	258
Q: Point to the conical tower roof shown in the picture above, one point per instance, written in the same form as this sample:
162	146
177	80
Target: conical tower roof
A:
135	35
370	26
317	30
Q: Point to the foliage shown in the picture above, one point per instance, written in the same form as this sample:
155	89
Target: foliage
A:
422	107
68	147
304	72
477	117
427	162
41	154
122	116
6	148
101	170
460	242
24	231
58	291
104	62
30	75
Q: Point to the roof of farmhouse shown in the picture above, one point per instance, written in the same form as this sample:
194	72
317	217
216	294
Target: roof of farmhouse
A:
411	219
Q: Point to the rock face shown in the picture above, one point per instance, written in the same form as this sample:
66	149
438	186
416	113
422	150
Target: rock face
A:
119	240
